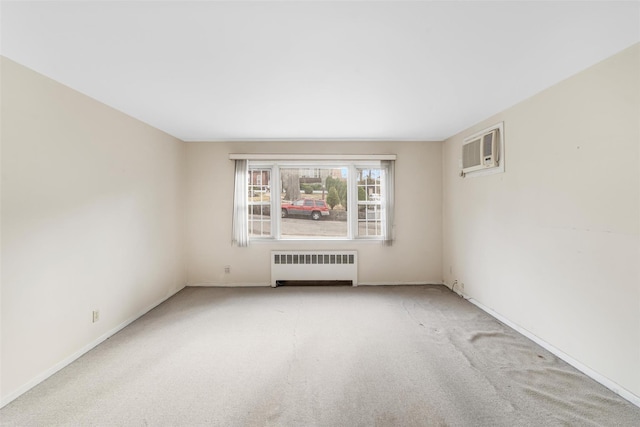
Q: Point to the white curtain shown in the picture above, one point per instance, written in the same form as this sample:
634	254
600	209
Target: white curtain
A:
389	202
240	206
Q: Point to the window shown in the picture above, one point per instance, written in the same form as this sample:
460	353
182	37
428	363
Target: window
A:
259	202
315	199
313	207
370	202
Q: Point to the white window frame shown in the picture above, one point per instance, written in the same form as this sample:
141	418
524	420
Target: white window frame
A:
381	202
249	172
277	162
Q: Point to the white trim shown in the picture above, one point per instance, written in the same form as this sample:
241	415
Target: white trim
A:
308	140
229	285
268	285
608	383
277	166
349	157
75	356
399	283
277	242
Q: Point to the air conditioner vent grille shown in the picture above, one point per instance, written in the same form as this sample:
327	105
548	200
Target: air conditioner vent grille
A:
487	147
471	154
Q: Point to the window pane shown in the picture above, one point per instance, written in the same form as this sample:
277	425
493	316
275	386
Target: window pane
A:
259	203
314	202
370	199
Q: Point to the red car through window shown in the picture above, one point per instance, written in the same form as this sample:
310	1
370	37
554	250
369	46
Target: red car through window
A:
314	209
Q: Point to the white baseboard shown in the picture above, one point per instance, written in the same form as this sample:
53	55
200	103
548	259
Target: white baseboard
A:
228	285
75	356
608	383
267	284
396	283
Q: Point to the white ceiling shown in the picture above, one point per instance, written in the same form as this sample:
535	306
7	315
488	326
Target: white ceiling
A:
360	70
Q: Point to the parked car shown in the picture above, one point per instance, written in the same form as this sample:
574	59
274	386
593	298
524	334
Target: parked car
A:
314	209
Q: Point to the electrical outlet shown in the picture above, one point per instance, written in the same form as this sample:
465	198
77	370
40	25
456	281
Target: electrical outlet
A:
227	269
96	316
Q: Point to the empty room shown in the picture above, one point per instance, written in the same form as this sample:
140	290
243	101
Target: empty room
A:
320	213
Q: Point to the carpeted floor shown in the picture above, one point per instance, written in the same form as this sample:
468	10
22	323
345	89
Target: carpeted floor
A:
319	356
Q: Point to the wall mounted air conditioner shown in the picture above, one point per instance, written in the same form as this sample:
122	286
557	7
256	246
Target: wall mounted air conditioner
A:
481	152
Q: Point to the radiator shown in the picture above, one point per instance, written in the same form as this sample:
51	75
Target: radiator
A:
314	266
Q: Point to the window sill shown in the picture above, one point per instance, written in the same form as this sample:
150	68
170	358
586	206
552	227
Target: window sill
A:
316	241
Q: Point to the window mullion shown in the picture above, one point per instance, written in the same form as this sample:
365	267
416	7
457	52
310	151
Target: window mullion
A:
276	191
352	202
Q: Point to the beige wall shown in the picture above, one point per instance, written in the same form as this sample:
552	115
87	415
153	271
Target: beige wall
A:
92	218
415	256
552	244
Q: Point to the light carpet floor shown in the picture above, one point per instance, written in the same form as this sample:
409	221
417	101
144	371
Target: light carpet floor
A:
319	356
